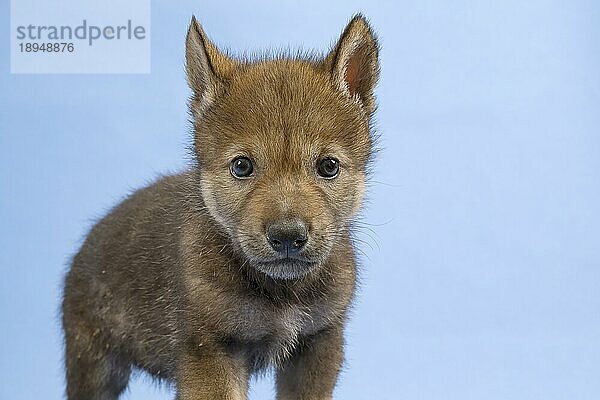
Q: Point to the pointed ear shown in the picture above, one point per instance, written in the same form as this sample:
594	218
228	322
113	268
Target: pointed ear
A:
353	63
207	68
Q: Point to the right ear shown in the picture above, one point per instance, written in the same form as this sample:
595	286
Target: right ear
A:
207	68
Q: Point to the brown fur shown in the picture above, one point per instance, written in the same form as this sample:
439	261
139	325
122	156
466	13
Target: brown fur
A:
180	280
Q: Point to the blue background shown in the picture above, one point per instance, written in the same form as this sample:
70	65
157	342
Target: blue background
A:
481	276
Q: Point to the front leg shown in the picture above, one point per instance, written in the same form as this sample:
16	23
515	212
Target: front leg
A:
211	374
312	372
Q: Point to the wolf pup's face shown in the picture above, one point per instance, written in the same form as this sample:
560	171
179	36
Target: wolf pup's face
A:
283	146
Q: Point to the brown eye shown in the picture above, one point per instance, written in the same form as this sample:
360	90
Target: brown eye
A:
328	168
241	167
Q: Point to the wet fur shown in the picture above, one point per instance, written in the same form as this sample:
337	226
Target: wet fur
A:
172	280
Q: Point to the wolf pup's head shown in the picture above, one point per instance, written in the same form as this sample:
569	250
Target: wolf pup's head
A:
283	146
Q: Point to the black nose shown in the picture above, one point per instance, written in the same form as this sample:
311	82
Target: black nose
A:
288	236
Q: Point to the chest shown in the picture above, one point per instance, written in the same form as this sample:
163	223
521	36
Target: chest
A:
261	320
266	334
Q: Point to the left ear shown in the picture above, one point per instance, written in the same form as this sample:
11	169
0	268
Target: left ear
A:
207	68
353	63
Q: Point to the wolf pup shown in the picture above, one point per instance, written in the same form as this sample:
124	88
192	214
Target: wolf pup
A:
245	262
